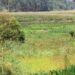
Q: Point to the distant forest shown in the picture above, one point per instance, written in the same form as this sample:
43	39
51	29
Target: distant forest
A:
36	5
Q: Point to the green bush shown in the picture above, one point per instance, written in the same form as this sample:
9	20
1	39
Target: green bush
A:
10	29
71	33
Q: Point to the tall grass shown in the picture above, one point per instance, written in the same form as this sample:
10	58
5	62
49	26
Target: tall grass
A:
69	71
47	34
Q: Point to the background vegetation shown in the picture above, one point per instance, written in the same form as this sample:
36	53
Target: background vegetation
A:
36	5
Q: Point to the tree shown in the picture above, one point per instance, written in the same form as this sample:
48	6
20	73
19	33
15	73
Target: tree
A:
36	5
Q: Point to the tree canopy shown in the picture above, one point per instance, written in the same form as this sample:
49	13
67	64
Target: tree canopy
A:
36	5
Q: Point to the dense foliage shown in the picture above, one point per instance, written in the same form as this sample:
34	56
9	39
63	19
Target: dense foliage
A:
10	28
36	5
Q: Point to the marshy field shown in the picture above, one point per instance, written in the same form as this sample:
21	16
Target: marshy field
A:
49	47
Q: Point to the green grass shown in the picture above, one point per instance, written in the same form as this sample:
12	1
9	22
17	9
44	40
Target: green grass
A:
46	40
44	45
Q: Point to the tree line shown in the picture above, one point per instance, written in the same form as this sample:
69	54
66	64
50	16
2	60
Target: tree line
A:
36	5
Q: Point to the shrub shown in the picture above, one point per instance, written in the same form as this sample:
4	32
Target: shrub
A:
71	33
10	29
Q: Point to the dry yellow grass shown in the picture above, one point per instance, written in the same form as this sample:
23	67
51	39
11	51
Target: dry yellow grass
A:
35	64
66	12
